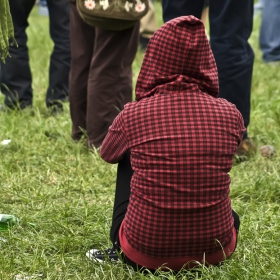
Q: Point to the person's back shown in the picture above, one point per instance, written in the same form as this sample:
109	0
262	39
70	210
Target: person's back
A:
182	140
182	147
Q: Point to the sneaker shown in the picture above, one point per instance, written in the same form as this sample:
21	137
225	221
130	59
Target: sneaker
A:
246	148
109	254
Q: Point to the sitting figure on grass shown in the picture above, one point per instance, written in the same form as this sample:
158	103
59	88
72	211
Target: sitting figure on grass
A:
175	146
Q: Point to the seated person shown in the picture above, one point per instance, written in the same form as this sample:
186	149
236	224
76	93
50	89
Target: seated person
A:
175	146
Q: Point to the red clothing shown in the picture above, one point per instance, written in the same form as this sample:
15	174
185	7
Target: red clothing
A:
182	139
177	263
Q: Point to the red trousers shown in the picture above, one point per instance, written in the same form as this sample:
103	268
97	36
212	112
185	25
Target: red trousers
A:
100	81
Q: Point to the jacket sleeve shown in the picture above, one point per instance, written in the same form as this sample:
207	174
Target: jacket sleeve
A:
115	143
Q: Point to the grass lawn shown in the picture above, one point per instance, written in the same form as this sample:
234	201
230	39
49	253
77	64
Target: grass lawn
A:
63	194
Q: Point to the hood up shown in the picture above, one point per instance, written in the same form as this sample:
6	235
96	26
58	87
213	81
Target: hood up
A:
178	58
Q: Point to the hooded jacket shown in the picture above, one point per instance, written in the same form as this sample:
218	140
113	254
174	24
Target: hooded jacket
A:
182	139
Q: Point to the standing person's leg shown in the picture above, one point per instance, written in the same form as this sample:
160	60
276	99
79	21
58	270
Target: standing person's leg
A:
231	23
110	79
82	42
270	31
60	58
176	8
15	73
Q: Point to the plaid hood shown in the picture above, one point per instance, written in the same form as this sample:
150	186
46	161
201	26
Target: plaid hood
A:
178	58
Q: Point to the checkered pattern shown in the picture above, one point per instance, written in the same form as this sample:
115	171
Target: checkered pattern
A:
182	140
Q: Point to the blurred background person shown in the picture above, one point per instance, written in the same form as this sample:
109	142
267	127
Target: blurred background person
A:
270	32
16	77
100	77
43	8
258	7
231	23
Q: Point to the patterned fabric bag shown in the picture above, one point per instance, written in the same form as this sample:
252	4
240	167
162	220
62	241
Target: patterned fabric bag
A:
112	14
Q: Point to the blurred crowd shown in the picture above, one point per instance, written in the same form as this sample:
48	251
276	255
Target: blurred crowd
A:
78	54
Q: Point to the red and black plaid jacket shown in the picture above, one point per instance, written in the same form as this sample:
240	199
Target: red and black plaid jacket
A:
182	140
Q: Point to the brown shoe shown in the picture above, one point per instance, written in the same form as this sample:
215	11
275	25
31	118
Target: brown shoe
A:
246	148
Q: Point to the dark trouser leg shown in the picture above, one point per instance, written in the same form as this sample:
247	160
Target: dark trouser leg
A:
236	224
60	57
15	73
110	79
82	42
231	23
236	220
